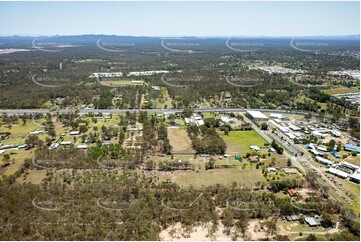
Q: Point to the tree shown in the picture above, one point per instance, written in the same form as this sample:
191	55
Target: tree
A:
264	126
289	162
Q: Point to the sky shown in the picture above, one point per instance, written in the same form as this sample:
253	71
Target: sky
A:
180	18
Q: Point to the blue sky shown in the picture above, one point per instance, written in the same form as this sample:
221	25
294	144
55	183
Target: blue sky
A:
180	18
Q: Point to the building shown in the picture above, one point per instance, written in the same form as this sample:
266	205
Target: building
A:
53	146
355	177
276	115
253	159
322	148
271	169
36	132
74	132
83	147
351	148
312	222
256	116
2	152
324	161
290	171
338	173
317	134
349	166
294	127
65	143
336	154
292	192
335	133
255	148
226	120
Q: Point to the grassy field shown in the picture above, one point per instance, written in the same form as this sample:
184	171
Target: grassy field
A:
238	142
246	177
117	83
34	176
17	158
180	140
340	90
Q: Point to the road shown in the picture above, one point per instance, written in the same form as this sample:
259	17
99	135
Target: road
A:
203	110
294	160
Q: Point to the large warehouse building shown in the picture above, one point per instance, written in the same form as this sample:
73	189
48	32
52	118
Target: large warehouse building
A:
256	115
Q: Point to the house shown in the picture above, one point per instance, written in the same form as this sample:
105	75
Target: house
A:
65	143
322	148
336	154
256	116
271	169
292	192
295	218
83	147
53	146
276	115
337	172
294	127
324	161
36	132
290	171
253	159
2	152
74	132
272	150
255	148
226	120
318	134
312	222
355	176
351	148
335	133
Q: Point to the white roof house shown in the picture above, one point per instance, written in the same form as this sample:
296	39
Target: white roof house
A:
338	173
53	146
65	143
36	132
74	132
355	176
349	165
335	133
2	152
82	146
324	161
276	115
322	148
294	127
254	147
257	115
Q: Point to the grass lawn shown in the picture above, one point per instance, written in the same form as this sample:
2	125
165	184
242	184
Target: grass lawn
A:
18	130
117	83
34	176
246	177
340	90
17	158
239	141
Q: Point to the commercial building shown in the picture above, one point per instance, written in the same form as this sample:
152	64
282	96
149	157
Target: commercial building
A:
256	115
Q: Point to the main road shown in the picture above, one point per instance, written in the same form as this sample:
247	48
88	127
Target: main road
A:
203	110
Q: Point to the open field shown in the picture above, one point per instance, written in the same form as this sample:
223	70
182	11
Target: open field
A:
34	176
238	142
117	83
180	140
340	90
246	177
17	158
